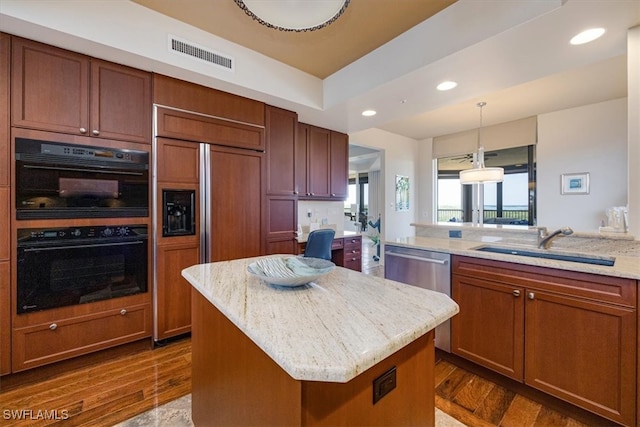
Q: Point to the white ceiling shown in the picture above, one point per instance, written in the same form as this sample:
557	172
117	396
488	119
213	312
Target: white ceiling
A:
512	54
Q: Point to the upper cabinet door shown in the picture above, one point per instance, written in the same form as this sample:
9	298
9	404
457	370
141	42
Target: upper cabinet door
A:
57	90
339	175
281	127
319	145
50	88
120	102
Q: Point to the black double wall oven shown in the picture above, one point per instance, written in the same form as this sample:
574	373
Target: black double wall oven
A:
63	263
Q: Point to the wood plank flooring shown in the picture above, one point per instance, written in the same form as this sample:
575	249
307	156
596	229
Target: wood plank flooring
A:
111	391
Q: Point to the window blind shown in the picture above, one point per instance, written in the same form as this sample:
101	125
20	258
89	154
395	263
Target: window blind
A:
517	133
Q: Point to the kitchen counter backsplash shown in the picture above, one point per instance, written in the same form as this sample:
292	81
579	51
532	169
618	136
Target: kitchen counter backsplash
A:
614	244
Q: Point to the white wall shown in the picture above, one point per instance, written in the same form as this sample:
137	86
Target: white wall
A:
426	202
590	138
398	158
333	212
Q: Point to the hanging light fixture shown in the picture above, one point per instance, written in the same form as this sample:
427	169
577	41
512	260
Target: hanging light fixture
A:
294	15
480	174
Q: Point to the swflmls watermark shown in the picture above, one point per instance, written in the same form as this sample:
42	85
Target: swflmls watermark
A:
38	414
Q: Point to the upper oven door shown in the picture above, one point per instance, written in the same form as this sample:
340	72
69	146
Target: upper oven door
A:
70	181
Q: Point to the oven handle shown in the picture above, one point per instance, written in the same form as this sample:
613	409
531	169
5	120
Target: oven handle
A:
59	168
101	245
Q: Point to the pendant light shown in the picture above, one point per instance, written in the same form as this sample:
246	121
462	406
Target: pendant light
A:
480	174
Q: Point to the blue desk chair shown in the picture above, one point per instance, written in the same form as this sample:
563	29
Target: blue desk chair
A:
319	244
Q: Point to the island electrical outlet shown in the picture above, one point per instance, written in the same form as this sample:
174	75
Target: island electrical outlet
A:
384	384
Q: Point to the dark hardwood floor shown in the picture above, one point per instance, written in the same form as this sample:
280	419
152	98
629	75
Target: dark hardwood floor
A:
110	387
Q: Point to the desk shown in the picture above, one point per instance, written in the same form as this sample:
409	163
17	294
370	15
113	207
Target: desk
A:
346	250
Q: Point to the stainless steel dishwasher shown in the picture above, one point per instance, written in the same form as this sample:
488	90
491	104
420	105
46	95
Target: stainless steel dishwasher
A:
425	269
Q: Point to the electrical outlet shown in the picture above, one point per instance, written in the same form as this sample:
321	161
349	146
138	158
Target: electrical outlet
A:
384	384
309	213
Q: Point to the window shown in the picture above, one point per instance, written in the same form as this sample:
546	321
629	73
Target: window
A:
509	202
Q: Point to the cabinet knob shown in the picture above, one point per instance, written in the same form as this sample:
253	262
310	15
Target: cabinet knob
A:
333	194
531	295
123	312
83	130
516	293
295	193
53	326
96	132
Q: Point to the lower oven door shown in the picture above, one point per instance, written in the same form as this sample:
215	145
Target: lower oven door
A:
57	275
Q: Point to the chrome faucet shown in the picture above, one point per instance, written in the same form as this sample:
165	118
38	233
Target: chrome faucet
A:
545	241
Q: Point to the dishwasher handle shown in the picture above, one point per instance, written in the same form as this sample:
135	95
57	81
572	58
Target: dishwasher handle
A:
417	258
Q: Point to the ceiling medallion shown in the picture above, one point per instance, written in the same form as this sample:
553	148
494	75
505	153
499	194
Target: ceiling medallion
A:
294	15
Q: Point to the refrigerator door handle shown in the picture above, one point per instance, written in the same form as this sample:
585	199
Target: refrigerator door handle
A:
205	211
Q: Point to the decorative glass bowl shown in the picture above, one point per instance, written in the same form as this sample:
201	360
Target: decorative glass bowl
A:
290	270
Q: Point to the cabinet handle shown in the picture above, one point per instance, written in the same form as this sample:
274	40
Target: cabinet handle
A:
531	295
123	312
96	132
516	293
53	326
83	130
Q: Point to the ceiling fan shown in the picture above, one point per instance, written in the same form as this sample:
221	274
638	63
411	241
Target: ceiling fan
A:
469	157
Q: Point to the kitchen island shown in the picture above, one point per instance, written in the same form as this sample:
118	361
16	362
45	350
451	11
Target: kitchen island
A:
310	355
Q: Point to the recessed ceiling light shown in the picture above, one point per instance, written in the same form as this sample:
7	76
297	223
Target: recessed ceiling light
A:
369	113
587	36
448	85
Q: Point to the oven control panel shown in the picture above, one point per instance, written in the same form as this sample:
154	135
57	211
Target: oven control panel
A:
71	233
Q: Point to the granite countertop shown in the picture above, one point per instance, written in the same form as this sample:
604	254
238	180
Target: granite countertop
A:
330	330
627	263
339	235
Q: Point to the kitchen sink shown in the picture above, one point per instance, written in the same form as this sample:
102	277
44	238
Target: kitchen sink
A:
585	259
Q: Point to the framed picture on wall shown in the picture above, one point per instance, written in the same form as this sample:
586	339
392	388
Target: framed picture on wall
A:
402	193
575	183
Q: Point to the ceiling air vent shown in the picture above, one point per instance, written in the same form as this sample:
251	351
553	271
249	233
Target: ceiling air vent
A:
192	50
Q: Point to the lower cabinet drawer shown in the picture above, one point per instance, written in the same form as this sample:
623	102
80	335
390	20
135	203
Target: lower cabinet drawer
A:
353	243
65	338
353	264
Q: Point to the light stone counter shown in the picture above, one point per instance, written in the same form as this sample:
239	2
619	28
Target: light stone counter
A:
331	330
303	238
625	251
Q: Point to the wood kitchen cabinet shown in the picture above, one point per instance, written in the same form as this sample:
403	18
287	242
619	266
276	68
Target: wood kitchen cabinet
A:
5	318
58	90
281	217
236	203
281	127
60	338
173	292
572	335
5	272
491	331
339	166
281	209
187	126
322	160
352	253
5	49
178	169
